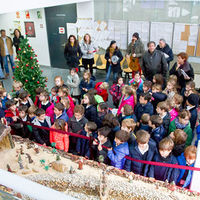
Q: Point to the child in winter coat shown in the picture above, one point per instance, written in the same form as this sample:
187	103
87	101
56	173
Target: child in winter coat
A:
143	148
66	102
102	88
11	113
157	132
83	147
186	159
120	149
164	155
86	83
147	86
170	89
60	112
127	113
162	111
127	98
41	136
64	92
144	122
24	99
116	91
38	91
137	80
76	124
144	106
73	82
4	97
53	97
46	105
102	153
179	137
58	81
129	125
90	107
61	140
192	104
157	95
182	122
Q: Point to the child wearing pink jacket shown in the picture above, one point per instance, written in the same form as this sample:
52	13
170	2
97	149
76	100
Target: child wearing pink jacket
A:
127	98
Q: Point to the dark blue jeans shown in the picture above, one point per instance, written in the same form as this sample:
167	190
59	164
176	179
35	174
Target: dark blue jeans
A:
5	62
115	74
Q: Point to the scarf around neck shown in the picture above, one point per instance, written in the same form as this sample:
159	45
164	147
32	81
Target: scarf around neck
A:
179	125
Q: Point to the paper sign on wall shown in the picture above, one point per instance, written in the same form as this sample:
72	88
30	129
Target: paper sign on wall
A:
61	30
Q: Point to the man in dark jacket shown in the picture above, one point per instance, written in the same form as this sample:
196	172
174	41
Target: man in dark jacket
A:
164	47
153	62
143	148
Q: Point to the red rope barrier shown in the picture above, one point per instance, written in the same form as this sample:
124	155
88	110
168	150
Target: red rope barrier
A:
127	157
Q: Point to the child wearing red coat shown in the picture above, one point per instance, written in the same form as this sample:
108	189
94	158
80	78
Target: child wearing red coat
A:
61	140
102	88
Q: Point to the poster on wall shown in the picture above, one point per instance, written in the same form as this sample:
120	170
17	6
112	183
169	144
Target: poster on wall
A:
30	29
39	15
17	15
27	14
17	25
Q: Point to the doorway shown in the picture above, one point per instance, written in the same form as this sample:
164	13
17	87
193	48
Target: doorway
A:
57	17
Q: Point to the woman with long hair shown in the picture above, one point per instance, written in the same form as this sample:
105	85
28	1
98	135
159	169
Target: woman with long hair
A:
72	52
16	39
114	57
88	49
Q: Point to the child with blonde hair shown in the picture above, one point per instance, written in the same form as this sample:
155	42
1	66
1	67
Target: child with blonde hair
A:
170	89
58	81
86	83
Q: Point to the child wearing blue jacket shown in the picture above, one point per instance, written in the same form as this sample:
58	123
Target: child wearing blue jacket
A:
83	145
143	148
86	83
186	159
164	155
143	106
120	149
158	131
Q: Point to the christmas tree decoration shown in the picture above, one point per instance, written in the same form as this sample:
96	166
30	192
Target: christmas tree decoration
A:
27	69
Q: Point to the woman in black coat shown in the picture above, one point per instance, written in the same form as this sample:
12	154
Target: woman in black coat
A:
111	51
183	70
72	52
16	39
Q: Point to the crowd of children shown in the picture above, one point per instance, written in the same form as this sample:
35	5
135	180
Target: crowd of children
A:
152	122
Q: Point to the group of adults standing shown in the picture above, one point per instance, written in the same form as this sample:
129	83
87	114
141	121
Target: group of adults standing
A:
6	51
156	60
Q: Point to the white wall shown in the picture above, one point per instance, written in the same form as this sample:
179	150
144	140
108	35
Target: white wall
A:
85	10
12	5
40	42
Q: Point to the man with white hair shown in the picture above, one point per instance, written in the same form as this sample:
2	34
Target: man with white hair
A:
164	47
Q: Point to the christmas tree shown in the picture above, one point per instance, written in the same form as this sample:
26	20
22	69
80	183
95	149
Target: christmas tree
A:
27	69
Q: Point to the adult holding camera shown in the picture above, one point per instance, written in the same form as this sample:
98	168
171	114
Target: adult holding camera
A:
114	57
